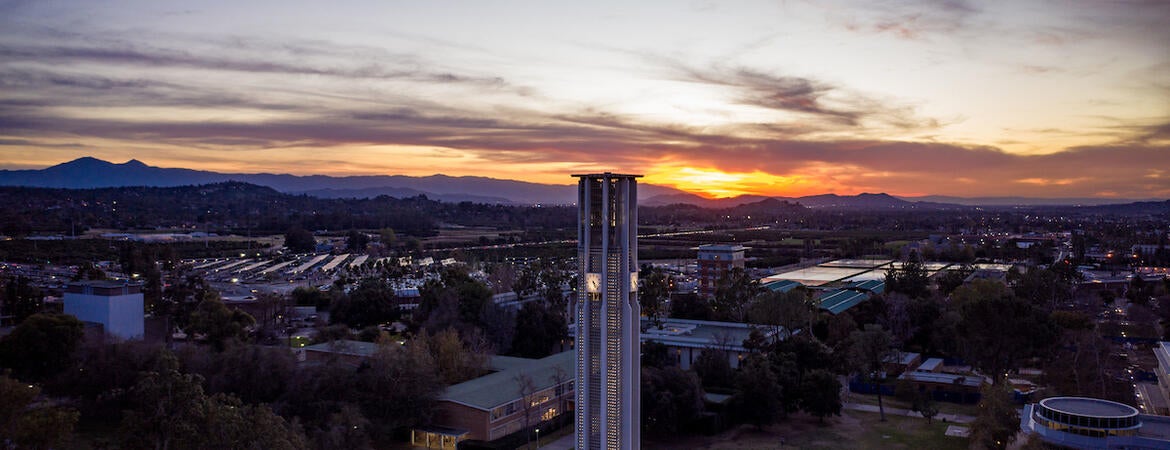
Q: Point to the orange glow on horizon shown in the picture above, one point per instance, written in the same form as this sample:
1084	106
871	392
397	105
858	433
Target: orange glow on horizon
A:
715	183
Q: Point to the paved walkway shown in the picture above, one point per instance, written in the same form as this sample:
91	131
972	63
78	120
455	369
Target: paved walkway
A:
564	443
941	417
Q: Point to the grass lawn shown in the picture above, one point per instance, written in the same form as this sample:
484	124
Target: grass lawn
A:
853	430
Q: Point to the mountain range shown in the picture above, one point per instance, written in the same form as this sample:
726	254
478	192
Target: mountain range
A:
88	172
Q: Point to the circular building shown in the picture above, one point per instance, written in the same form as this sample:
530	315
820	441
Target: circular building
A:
1087	416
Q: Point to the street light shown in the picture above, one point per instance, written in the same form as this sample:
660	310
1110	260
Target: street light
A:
538	438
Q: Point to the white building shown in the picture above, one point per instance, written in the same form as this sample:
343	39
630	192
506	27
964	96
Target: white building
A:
117	305
608	381
1094	424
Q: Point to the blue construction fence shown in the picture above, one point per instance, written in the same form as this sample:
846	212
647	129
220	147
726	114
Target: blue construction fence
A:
857	386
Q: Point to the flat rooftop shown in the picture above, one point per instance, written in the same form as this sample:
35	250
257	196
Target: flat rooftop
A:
1084	406
499	388
702	333
1155	427
972	381
857	263
816	276
720	248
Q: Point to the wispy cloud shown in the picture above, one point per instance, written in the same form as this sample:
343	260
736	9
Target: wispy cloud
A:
907	19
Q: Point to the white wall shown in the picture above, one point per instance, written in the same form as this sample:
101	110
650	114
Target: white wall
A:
121	315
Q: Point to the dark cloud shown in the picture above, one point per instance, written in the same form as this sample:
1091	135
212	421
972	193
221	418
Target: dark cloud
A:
32	90
820	105
32	143
124	54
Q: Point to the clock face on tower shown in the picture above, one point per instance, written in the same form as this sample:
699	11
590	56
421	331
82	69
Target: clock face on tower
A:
592	282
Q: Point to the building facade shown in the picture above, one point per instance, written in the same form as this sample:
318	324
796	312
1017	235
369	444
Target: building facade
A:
714	261
519	393
117	305
1160	404
607	313
1090	423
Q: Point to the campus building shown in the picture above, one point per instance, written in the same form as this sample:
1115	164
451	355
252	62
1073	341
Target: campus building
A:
608	372
116	305
1090	423
519	393
714	262
1159	400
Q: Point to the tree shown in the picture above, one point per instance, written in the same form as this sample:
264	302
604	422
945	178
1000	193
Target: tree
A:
254	373
233	424
21	298
921	400
356	241
172	411
653	293
501	277
398	389
310	296
671	400
454	362
734	291
345	428
372	302
870	349
997	330
499	327
758	397
820	394
559	377
925	405
41	346
169	407
299	240
911	279
656	354
713	369
103	374
526	388
997	422
1041	287
28	424
454	285
691	306
387	237
950	280
786	312
88	271
219	324
537	330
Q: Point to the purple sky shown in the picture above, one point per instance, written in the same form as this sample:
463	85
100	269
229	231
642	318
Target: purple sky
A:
1043	99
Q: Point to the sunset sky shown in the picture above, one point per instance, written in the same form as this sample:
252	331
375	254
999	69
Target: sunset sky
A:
979	98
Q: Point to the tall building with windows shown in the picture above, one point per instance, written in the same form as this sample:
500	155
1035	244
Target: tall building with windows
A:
608	384
715	261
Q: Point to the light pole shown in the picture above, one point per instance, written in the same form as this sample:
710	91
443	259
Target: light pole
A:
538	438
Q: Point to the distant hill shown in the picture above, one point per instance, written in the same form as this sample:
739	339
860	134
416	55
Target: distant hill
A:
826	201
88	173
692	199
1022	201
